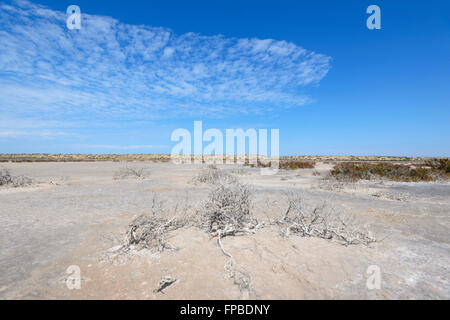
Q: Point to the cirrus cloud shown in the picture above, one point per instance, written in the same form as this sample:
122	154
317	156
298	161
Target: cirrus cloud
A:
111	70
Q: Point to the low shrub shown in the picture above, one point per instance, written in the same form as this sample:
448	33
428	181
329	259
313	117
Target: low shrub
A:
212	175
442	164
285	164
295	164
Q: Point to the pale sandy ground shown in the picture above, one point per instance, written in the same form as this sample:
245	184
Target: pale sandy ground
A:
76	212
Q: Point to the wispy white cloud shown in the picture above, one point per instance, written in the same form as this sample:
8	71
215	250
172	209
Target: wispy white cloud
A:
111	70
43	134
11	134
119	147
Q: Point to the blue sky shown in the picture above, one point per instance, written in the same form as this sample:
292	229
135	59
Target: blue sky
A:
137	70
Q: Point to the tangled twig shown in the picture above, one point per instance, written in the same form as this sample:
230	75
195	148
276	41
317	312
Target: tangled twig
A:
321	221
127	172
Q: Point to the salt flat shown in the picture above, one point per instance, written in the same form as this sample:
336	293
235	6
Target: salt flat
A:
75	212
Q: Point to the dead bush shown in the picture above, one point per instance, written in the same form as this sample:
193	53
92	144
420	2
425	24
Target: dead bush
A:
150	231
309	220
240	171
7	179
131	173
211	175
227	210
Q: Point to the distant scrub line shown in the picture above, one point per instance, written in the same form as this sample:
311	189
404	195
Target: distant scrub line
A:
429	170
48	157
284	164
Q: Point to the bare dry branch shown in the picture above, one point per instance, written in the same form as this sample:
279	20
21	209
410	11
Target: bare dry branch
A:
129	173
321	221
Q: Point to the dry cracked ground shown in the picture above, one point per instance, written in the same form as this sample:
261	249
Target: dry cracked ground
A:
78	213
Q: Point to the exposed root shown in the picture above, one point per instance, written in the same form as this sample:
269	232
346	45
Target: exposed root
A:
241	278
221	246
